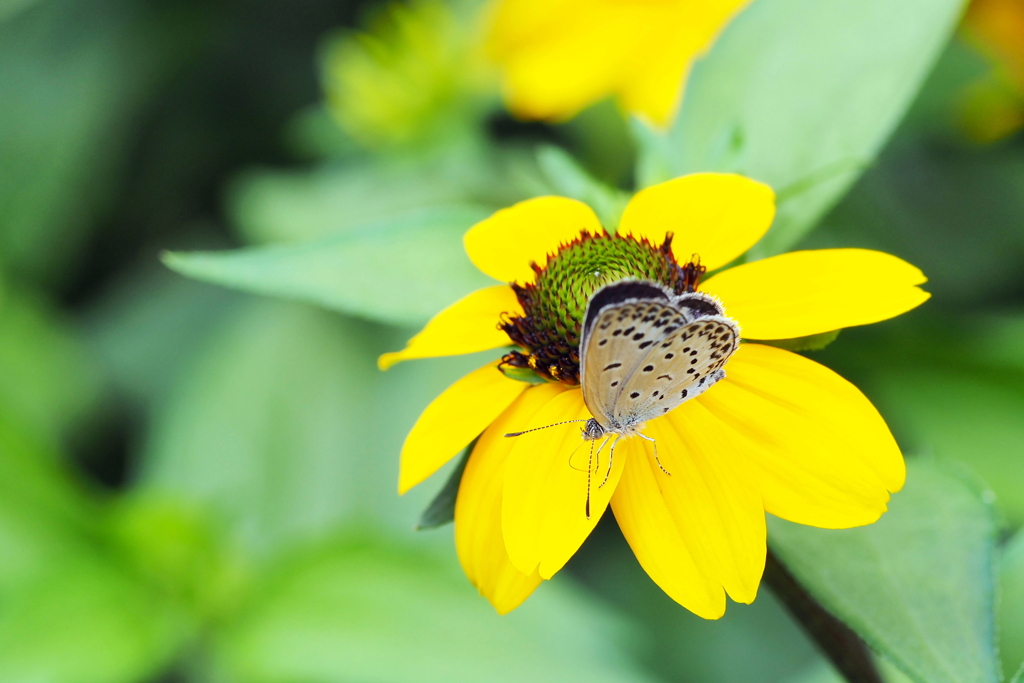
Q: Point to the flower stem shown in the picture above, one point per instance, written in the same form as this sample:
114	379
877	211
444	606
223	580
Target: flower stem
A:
847	651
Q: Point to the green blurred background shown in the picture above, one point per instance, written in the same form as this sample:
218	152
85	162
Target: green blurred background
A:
198	484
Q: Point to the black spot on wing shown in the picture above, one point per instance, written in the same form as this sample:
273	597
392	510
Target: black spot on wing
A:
617	292
698	306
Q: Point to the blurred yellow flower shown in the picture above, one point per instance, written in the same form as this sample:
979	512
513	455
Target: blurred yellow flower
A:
416	74
559	56
994	107
780	433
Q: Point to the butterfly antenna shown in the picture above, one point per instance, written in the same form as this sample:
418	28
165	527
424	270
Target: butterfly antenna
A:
527	431
590	469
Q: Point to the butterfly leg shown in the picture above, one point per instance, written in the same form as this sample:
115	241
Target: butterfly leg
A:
656	459
611	456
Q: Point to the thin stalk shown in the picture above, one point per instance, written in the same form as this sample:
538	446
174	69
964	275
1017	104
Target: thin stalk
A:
841	645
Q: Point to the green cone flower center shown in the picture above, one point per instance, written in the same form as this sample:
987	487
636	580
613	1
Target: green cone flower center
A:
555	303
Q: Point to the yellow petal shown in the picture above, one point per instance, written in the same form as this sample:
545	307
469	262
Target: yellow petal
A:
820	451
655	83
467	326
543	514
453	420
716	506
717	216
504	245
558	56
478	538
648	526
809	292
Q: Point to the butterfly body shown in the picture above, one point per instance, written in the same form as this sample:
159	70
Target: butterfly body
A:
645	351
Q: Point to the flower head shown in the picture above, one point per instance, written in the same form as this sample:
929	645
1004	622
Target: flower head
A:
779	433
559	56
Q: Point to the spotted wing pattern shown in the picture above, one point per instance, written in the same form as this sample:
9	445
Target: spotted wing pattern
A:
680	367
645	351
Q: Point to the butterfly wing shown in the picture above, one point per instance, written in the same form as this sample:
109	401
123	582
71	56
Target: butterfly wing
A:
683	364
623	321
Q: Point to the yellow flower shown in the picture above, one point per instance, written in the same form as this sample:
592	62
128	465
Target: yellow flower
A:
994	106
780	433
559	56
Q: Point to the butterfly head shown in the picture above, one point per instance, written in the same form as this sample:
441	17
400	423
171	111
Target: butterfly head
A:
592	431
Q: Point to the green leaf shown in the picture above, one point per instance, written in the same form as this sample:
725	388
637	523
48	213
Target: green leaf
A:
43	516
85	621
73	74
401	270
359	610
569	179
1011	607
825	673
916	585
280	206
50	382
70	610
284	426
801	94
288	206
148	325
9	8
956	390
923	222
441	510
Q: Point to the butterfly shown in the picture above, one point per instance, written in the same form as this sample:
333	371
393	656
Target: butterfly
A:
644	351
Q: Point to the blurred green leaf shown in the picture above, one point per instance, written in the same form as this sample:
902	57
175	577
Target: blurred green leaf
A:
970	416
1011	606
952	387
8	8
916	585
569	179
49	380
284	425
402	270
918	202
148	325
85	621
70	611
43	516
825	673
67	96
260	425
289	206
177	547
359	610
293	206
802	95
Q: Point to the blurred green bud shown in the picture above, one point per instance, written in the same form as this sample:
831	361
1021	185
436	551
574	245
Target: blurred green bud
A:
416	76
